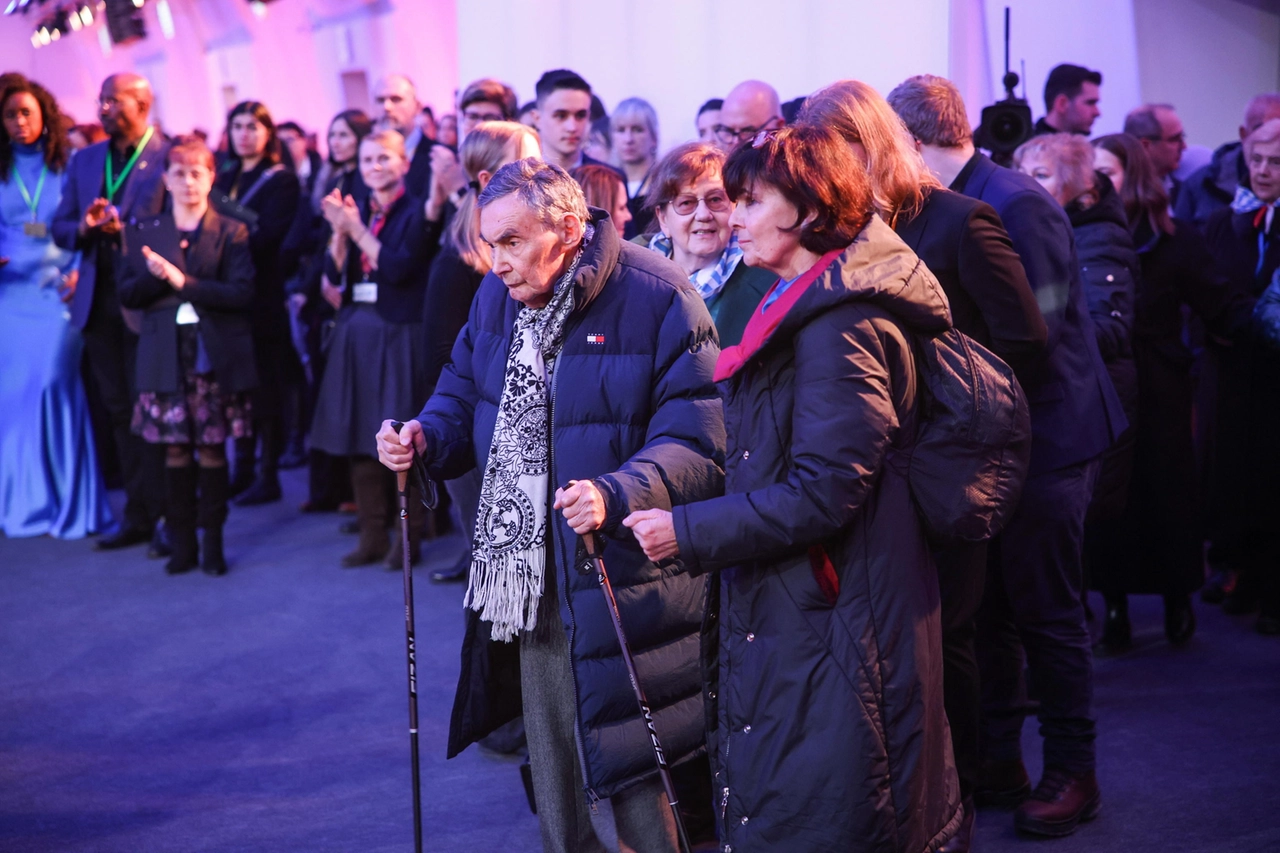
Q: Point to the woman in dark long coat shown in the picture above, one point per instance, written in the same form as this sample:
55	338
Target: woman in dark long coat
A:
378	263
195	353
1243	240
1156	545
254	177
822	650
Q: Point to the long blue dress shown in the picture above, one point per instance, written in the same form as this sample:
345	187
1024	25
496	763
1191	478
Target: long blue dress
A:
49	476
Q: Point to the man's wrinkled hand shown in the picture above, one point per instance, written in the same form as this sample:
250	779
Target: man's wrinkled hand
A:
396	449
582	505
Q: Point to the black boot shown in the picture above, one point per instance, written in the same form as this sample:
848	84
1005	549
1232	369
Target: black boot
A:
1179	619
1117	633
181	514
214	486
245	458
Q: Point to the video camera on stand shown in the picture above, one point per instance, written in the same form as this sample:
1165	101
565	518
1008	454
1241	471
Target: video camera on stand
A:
1005	124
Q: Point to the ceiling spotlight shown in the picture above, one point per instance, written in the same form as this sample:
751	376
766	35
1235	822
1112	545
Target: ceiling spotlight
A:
138	3
43	33
35	40
11	8
86	15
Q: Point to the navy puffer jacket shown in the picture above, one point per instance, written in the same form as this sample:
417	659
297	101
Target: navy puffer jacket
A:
635	409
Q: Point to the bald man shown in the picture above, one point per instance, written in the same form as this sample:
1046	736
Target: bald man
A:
1213	187
749	108
108	185
396	107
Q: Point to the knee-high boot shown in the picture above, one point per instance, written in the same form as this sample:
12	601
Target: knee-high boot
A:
369	482
417	520
214	485
180	483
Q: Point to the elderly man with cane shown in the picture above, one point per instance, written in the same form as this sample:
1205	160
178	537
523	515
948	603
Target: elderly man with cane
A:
581	383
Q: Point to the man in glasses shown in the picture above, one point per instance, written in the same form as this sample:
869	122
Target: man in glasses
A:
1159	129
751	107
484	100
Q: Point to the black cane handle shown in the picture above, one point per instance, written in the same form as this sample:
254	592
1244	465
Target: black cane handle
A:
426	485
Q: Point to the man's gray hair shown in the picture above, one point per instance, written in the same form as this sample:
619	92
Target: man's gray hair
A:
1143	122
933	110
544	188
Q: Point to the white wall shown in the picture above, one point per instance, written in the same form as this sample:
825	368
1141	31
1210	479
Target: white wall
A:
1207	57
1097	34
678	53
291	58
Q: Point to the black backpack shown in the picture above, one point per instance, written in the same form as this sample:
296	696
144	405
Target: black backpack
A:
973	444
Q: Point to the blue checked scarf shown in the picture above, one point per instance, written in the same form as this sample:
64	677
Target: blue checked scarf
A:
710	281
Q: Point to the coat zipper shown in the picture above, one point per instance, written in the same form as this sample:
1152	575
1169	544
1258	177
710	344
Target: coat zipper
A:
592	797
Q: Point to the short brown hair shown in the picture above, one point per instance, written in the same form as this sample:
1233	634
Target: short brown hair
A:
679	167
189	149
490	91
933	110
817	172
599	184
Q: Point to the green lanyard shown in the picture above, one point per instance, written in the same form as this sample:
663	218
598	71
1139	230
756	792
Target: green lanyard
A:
113	186
32	203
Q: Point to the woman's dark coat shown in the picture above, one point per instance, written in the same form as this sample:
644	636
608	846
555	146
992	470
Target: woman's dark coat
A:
828	729
637	412
450	288
1156	546
276	204
404	262
1109	269
1246	460
220	288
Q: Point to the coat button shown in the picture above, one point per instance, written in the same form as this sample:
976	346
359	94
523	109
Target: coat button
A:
746	730
728	848
745	819
711	694
746	454
751	638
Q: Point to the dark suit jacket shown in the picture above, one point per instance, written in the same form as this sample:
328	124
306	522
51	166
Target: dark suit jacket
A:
1075	411
219	286
141	195
965	245
418	182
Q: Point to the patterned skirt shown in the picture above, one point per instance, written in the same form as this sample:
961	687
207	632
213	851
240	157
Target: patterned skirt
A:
199	412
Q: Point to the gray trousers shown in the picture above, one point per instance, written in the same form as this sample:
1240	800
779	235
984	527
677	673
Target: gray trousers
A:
641	814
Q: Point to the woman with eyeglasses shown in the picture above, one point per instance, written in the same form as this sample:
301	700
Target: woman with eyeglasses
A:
691	210
822	646
49	477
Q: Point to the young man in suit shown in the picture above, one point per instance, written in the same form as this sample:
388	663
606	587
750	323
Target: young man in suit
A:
563	120
110	184
1033	601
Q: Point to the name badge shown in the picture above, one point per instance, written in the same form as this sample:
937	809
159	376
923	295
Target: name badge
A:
187	315
365	291
35	229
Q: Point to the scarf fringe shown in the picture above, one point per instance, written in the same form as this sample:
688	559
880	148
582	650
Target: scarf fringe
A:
506	592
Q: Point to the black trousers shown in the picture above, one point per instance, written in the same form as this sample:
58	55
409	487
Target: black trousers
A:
1033	606
962	573
112	354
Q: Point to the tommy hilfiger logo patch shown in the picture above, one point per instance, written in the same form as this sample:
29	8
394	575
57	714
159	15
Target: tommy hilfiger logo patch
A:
595	339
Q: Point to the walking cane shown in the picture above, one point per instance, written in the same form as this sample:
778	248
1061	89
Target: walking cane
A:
593	553
430	499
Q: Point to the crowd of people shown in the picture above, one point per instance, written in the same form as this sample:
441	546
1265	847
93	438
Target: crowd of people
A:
710	357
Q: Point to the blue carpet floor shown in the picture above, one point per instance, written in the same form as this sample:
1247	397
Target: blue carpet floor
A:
266	711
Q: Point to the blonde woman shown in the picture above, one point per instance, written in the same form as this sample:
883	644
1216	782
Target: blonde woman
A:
456	272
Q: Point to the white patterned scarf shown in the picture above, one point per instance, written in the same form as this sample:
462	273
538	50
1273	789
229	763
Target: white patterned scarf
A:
710	281
509	548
